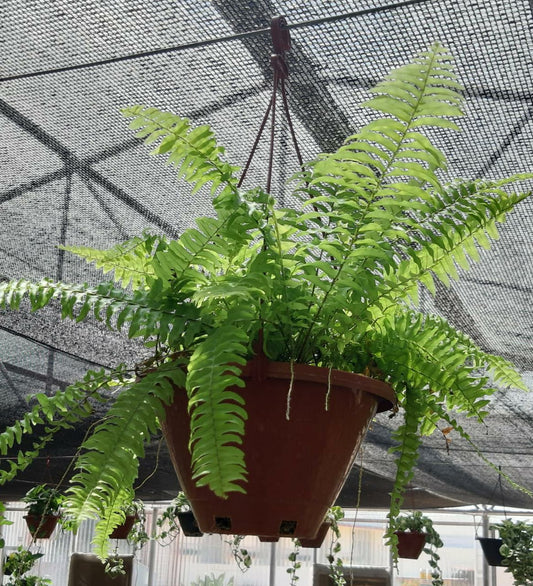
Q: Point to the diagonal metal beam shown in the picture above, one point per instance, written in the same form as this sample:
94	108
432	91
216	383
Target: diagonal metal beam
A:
230	100
515	131
12	386
75	164
35	375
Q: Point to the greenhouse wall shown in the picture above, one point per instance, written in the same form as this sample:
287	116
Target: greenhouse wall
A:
184	560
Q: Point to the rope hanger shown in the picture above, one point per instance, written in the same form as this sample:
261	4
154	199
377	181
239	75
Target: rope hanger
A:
281	42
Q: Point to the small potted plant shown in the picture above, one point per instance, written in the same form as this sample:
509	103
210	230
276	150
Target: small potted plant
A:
181	508
43	506
18	563
415	534
134	514
517	550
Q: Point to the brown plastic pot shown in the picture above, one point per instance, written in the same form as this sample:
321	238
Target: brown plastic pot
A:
296	467
122	531
491	550
318	539
41	526
410	544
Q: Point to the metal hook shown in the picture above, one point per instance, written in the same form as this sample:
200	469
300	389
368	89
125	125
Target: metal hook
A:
281	38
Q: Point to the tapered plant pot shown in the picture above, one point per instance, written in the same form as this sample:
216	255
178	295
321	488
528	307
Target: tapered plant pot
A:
188	524
491	550
410	544
41	526
296	466
318	539
122	531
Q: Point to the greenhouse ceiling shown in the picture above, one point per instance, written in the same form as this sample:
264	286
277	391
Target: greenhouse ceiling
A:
73	174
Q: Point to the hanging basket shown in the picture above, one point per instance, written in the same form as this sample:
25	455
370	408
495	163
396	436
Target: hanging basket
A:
410	544
122	531
318	539
296	467
41	526
491	550
188	524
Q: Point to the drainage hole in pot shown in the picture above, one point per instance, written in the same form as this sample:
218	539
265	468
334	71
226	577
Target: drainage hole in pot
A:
223	523
287	527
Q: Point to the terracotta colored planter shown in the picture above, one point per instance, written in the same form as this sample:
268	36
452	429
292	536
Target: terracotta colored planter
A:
318	540
41	527
491	550
122	531
410	544
296	467
188	524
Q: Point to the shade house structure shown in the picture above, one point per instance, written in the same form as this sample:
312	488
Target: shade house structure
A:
73	174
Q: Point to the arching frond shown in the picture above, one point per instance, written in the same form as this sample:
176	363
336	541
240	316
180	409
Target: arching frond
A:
130	261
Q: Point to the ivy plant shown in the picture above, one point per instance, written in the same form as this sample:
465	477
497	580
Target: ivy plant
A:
333	283
18	563
517	550
43	500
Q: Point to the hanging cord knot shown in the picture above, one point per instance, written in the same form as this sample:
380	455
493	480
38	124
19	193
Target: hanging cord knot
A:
281	41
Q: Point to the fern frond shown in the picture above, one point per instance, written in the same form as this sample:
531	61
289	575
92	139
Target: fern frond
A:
217	413
130	261
407	438
367	207
447	234
194	152
425	352
112	517
145	313
51	414
111	454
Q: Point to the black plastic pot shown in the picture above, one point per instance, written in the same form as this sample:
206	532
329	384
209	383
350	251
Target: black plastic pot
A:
491	549
188	524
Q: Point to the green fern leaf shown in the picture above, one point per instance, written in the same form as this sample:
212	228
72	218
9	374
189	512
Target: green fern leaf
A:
194	152
130	261
217	415
111	454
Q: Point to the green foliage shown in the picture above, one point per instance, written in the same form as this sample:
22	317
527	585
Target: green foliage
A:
241	555
130	262
294	564
517	550
43	500
108	466
18	563
419	523
213	580
51	414
334	283
334	515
